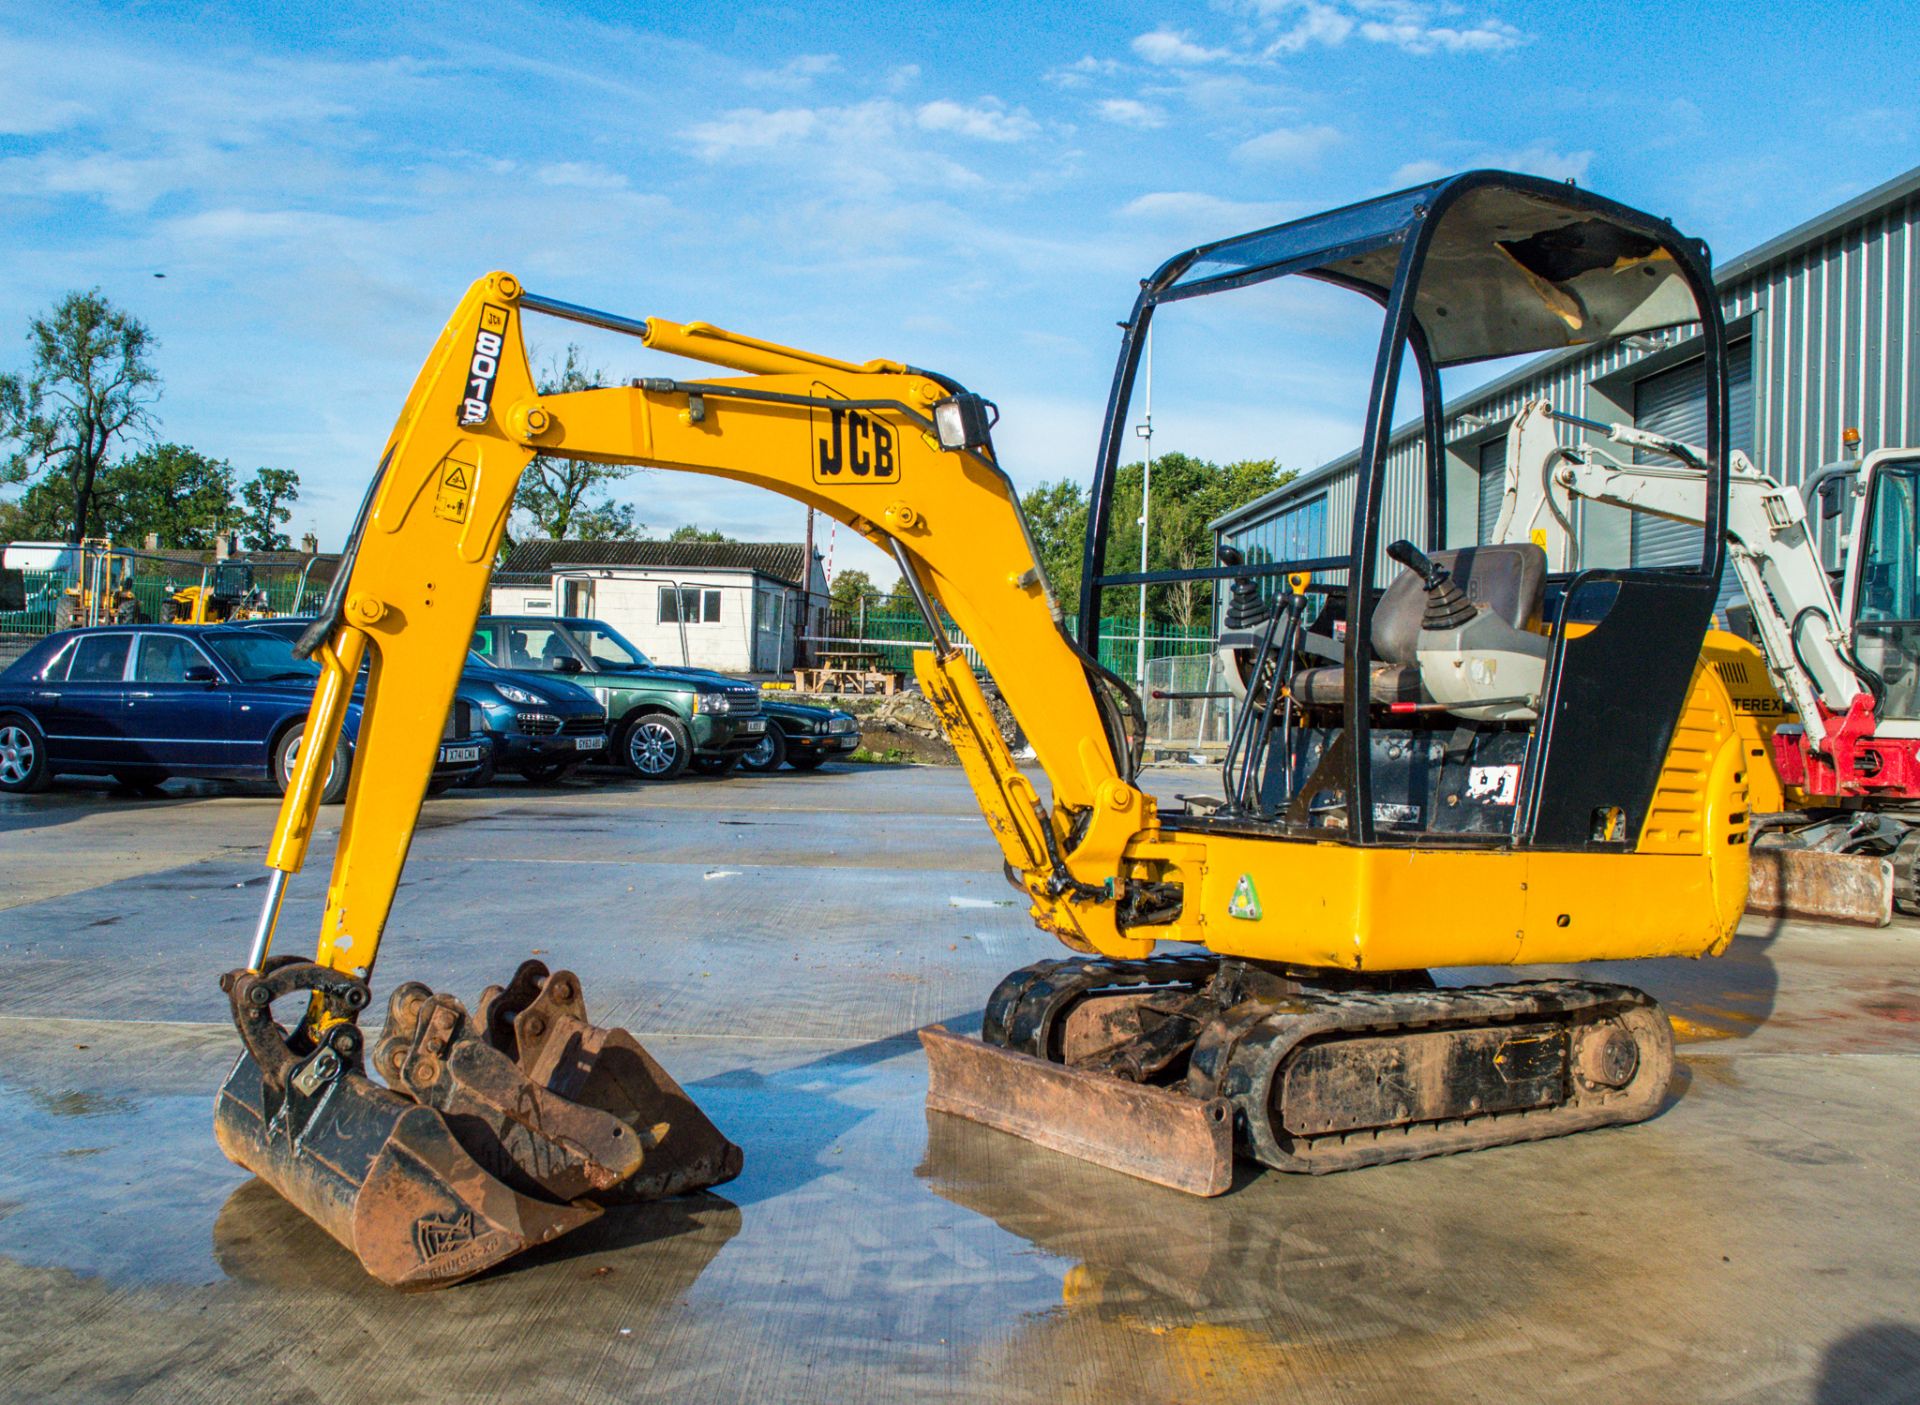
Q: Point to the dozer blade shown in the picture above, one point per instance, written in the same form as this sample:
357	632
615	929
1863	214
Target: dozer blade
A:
1158	1135
539	1019
1819	885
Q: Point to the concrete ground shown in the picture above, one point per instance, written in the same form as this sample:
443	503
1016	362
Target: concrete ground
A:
776	942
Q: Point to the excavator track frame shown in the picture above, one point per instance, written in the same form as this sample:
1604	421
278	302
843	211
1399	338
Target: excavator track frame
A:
1318	1078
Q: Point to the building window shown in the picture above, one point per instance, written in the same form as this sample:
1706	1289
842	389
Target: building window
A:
688	605
1299	533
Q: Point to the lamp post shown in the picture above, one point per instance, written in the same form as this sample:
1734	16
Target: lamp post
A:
1145	431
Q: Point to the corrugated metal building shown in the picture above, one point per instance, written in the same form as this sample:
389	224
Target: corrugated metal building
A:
1821	326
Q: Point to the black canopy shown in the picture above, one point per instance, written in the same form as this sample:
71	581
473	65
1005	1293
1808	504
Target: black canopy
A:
1514	264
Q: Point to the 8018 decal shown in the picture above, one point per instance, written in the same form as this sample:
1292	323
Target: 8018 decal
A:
483	366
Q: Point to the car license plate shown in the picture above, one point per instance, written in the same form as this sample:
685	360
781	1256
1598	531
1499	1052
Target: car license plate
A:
454	755
588	743
754	726
846	743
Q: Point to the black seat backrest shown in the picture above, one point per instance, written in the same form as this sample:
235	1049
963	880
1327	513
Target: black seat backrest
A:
1509	580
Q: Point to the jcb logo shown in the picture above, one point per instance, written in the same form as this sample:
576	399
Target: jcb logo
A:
851	446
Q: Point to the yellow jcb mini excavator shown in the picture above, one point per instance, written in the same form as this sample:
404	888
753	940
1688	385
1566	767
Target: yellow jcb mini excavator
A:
1455	760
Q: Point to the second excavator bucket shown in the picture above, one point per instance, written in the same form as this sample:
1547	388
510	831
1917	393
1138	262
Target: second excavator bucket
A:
467	1158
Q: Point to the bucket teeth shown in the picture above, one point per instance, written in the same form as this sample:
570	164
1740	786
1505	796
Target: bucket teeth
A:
497	1132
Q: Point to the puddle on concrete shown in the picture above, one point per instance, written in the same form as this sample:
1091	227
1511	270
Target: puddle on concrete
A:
110	1185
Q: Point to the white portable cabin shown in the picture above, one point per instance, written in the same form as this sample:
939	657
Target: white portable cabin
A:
727	606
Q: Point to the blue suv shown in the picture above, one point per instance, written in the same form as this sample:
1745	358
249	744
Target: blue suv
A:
537	725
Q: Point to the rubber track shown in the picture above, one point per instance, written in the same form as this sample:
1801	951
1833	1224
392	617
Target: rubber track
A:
1239	1055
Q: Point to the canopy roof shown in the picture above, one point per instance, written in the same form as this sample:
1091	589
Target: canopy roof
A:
1514	264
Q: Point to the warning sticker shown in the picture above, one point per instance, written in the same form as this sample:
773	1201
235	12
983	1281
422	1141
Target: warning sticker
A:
1493	785
1245	903
455	492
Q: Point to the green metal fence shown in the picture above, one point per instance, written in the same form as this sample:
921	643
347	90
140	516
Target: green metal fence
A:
44	589
893	637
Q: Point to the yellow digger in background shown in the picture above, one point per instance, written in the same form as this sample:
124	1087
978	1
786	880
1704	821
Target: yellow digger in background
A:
1444	759
226	591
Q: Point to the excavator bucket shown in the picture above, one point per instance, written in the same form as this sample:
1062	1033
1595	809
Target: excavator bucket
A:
465	1159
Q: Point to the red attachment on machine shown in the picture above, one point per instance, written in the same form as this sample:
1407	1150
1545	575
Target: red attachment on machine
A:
1851	760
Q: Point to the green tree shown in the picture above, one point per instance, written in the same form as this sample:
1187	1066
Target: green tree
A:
43	513
691	533
1188	493
900	599
89	386
567	497
1057	517
183	496
850	586
268	497
606	522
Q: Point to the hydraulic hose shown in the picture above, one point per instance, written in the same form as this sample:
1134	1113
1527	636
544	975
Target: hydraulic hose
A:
1875	685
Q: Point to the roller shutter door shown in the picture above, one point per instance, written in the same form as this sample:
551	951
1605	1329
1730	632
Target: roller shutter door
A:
1674	403
1493	483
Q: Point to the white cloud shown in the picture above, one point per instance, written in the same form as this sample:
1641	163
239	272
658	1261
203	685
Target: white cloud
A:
902	77
1082	71
747	129
986	120
1290	27
1126	112
1172	48
1210	215
1290	145
797	72
1534	159
580	175
1314	24
1411	27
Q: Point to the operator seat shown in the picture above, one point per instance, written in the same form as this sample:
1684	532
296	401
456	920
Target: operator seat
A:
1509	579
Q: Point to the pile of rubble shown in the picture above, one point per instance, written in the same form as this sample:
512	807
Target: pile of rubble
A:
904	726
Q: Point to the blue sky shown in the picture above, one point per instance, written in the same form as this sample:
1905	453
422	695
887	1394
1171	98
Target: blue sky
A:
972	189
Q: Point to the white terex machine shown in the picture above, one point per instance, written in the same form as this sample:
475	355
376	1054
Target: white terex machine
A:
1849	767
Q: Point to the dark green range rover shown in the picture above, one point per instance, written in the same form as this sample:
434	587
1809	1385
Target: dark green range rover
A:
659	720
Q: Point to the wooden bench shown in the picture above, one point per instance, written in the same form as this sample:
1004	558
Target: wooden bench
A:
847	671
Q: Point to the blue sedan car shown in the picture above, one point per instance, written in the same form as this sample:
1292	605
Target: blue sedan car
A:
142	703
537	724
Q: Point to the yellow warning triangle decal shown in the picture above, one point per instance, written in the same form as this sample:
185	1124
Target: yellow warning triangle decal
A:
455	478
1245	903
